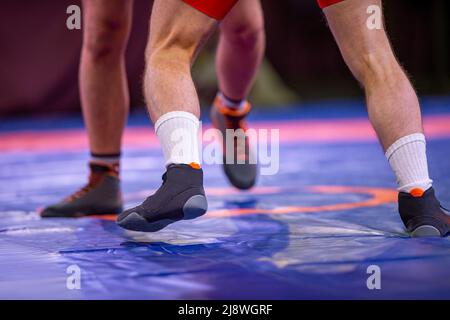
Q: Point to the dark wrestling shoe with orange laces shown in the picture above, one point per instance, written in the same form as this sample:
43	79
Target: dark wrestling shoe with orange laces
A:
422	214
241	168
100	196
180	197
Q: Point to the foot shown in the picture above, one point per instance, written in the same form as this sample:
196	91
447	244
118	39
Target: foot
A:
423	215
99	197
181	197
240	172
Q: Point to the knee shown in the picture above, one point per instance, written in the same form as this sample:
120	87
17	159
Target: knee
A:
245	34
168	57
379	67
178	49
106	40
164	62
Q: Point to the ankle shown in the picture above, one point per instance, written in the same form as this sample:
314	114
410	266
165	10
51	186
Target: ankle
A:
105	163
232	103
99	170
408	160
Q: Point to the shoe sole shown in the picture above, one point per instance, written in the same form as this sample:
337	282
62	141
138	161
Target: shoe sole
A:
425	231
194	208
76	215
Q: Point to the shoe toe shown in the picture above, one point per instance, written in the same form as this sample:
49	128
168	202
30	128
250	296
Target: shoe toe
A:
50	212
131	220
241	176
125	214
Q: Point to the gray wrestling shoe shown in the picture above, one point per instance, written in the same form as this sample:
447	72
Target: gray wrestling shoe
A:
180	197
423	215
241	173
100	196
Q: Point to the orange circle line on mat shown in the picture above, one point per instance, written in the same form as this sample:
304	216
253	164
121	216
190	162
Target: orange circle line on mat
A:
378	196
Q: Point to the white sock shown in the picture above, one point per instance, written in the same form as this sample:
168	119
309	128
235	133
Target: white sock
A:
107	160
232	104
178	134
408	159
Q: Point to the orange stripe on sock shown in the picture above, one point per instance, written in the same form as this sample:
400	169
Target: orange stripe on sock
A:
226	111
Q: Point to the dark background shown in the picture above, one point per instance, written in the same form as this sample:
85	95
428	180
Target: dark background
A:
39	55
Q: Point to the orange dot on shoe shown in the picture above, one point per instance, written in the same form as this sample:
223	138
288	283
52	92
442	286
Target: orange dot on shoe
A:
195	165
417	192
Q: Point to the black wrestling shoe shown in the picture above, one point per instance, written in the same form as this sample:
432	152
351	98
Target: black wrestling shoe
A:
181	197
423	215
100	196
241	172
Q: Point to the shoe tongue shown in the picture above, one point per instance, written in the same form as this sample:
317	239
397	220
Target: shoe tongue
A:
181	173
192	165
172	165
99	171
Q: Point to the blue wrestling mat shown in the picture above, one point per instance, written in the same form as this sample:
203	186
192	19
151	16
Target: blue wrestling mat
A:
314	231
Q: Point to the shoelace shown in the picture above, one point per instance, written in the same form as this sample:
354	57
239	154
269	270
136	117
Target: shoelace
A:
93	181
149	199
80	193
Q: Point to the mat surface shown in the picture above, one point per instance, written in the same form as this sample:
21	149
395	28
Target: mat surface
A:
312	231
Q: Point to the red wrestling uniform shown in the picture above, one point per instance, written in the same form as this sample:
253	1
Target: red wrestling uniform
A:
218	9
